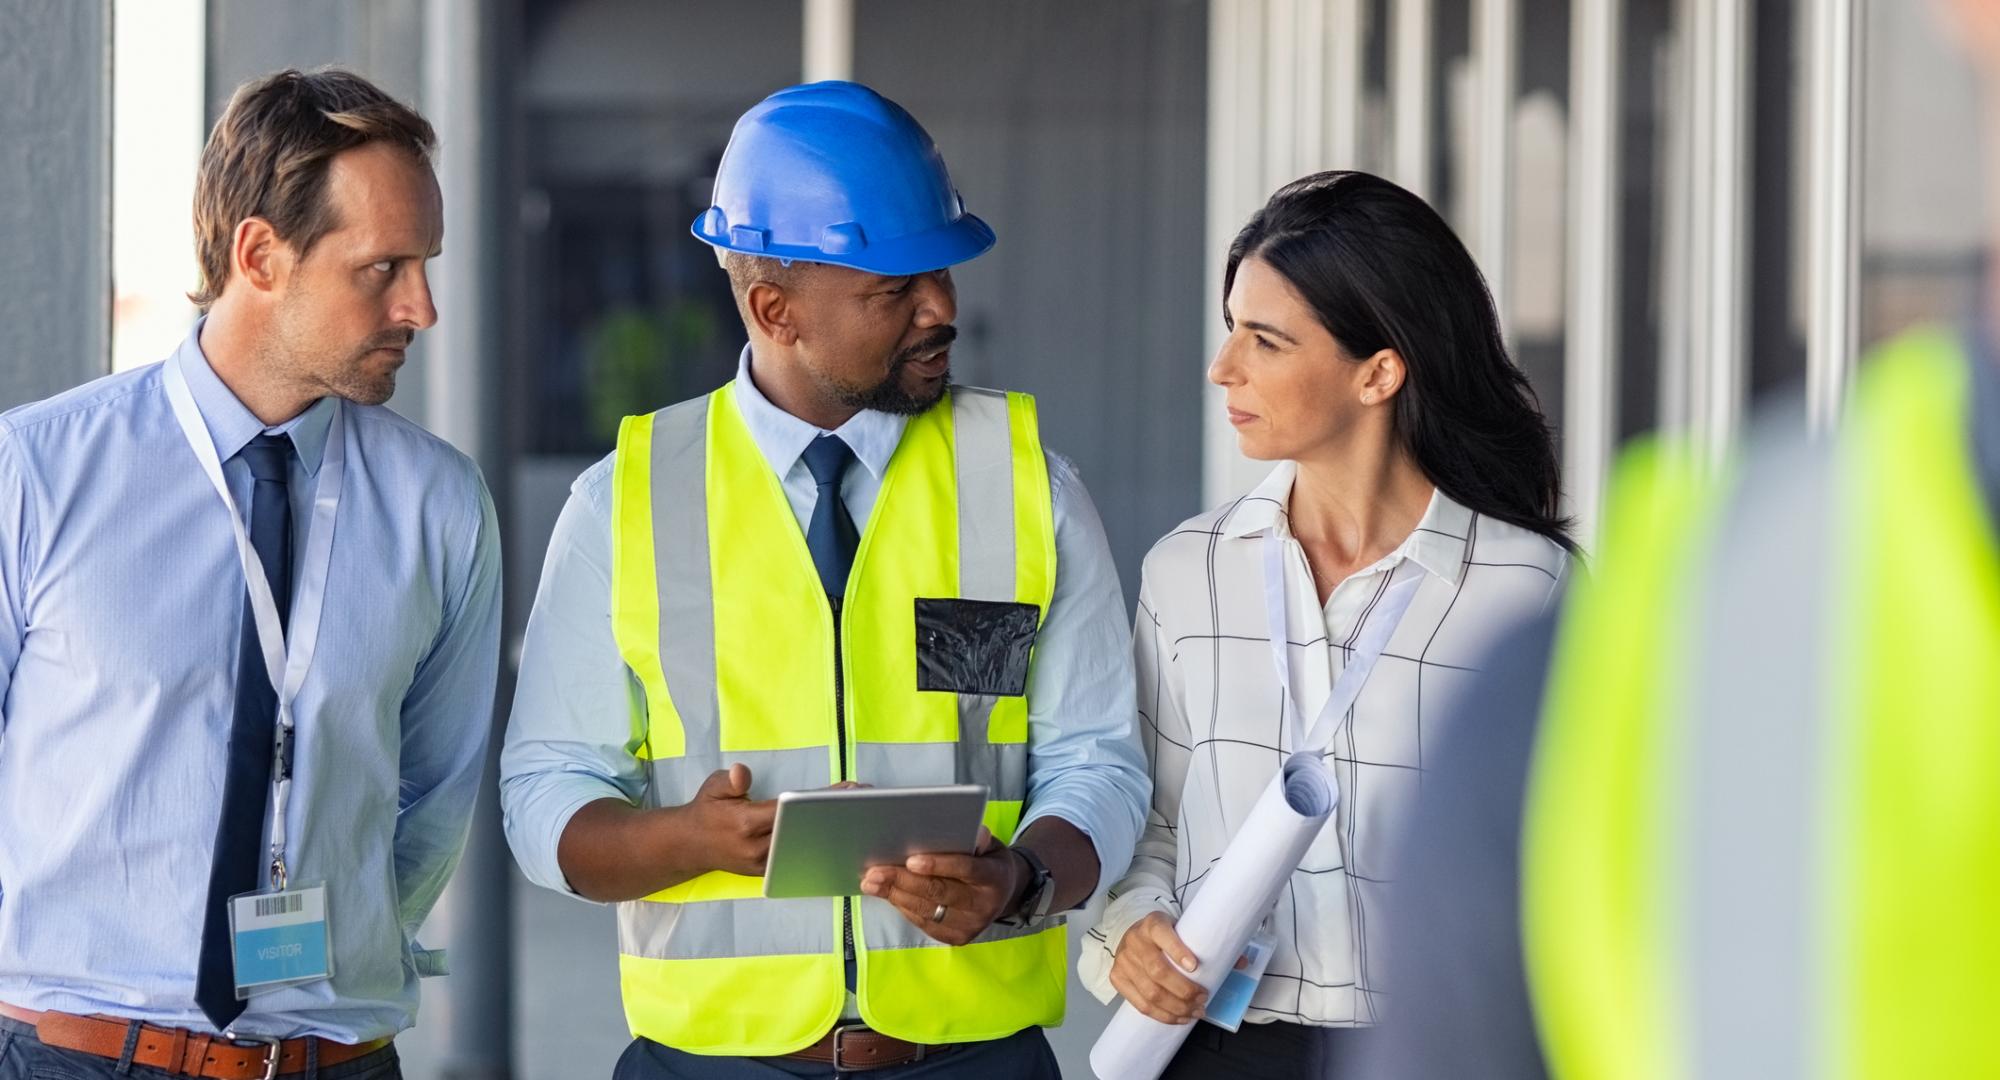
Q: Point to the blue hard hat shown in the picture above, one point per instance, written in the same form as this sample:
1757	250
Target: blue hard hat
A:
833	172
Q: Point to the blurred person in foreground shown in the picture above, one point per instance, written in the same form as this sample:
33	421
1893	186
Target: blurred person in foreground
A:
1364	357
1756	794
179	733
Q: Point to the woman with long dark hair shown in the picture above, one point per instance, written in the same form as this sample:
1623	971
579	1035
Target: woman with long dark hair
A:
1412	516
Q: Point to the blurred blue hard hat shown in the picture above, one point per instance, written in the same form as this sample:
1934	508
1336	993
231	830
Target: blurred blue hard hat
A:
833	172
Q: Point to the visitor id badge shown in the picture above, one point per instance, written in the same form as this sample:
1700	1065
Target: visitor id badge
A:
1232	999
280	938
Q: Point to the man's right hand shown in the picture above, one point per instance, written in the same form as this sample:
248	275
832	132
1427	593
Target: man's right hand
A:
1151	971
732	832
612	850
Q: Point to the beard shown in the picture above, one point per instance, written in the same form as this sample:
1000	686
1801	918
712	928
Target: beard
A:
300	352
367	378
889	396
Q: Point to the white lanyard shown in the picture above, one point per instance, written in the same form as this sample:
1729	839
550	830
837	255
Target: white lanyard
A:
311	593
1368	646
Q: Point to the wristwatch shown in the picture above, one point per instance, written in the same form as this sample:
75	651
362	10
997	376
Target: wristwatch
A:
1036	900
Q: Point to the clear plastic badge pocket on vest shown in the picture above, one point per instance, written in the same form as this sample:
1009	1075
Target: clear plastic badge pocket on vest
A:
975	646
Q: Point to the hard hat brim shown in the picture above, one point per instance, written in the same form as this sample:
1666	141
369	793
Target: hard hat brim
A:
960	241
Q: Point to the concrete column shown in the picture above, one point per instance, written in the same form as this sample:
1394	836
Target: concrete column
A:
1590	367
468	101
1718	67
1496	26
55	196
1833	176
829	40
1346	49
1237	132
1412	56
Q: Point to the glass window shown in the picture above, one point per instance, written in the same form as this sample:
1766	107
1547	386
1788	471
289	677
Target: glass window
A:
626	107
1078	132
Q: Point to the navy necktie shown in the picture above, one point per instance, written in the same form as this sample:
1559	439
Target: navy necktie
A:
239	835
831	536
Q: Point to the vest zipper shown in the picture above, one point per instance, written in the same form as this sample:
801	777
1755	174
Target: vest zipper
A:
840	755
839	694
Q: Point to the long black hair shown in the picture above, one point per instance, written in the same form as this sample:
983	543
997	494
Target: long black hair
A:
1382	270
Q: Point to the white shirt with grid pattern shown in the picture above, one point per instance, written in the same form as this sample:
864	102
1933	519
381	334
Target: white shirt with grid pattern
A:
1214	731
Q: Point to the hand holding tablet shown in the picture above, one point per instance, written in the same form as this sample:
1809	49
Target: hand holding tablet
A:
823	841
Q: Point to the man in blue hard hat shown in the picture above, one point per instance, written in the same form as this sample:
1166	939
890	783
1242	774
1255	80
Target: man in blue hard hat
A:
839	568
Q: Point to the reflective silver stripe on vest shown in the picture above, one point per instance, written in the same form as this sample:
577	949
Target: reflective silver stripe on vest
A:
1755	735
720	928
883	927
674	781
760	927
687	621
1002	767
982	444
984	459
687	596
687	658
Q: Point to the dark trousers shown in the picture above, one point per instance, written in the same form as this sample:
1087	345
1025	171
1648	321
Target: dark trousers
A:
1024	1055
1273	1051
25	1057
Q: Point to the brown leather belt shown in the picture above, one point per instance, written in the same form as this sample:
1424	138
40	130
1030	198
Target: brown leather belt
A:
858	1048
182	1052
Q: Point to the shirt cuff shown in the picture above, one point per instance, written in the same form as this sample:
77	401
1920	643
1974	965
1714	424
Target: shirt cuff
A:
1114	852
1100	944
535	822
430	963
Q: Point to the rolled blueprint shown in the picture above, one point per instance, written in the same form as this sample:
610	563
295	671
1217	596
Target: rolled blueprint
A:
1233	899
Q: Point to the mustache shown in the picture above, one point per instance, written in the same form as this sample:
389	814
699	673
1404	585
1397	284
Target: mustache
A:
932	342
394	339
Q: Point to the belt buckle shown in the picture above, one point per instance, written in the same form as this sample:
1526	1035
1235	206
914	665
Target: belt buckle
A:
839	1033
276	1048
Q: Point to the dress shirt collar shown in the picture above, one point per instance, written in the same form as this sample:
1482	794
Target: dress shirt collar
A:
232	425
1437	544
782	437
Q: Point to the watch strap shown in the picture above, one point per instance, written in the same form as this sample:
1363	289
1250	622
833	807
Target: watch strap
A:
1038	897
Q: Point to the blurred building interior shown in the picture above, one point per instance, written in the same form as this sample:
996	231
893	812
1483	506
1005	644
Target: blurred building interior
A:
1683	206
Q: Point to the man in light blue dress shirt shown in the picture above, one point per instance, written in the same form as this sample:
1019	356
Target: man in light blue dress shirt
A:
128	647
838	354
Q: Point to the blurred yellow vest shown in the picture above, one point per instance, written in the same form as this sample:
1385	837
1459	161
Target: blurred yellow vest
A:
1893	701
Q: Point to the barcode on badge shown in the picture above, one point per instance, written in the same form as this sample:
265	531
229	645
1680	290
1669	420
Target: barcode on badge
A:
288	904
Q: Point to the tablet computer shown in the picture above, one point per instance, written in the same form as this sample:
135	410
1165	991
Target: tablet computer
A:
822	841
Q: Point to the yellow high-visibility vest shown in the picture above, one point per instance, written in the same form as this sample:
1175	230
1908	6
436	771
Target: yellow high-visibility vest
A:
737	655
1763	828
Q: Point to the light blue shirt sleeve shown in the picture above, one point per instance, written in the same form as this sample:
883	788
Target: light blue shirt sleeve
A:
1085	763
16	523
453	687
570	740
